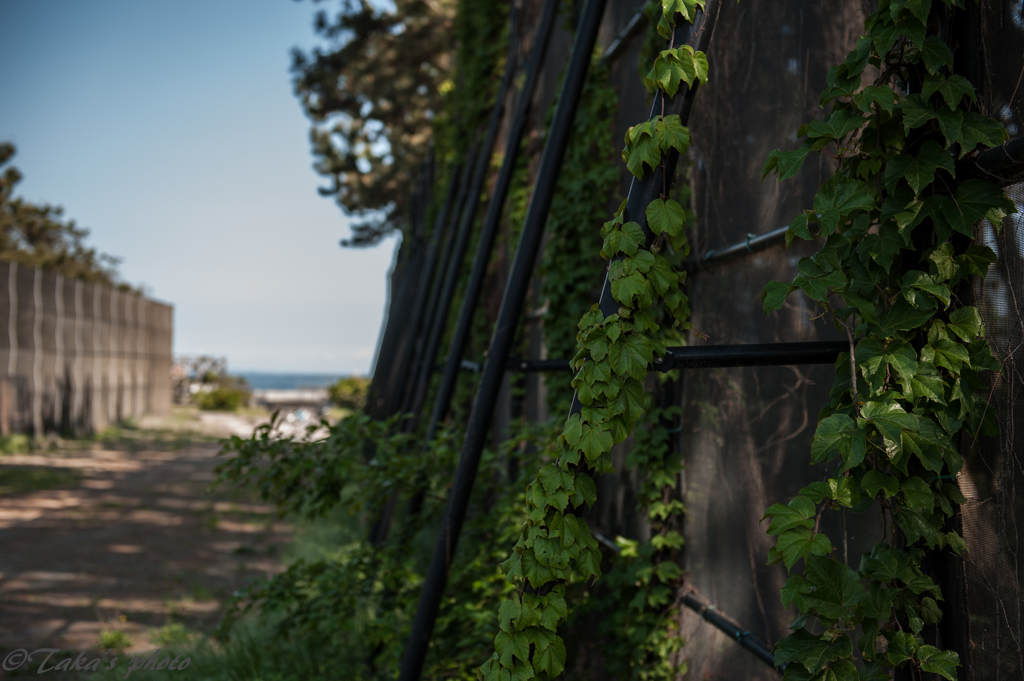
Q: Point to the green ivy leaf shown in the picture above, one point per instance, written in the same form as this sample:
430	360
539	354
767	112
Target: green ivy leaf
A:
902	647
798	513
665	216
937	661
916	112
510	646
834	434
919	170
672	134
813	652
918	494
687	8
641	147
551	659
978	129
902	316
594	442
774	295
837	126
920	8
916	526
950	123
936	54
966	323
666	73
890	419
786	163
884	97
877	601
839	197
626	287
952	89
584	490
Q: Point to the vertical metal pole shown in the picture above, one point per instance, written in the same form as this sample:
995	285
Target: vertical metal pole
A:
428	283
491	220
437	321
411	322
473	199
502	340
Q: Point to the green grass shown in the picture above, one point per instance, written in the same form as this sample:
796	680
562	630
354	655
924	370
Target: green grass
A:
15	444
173	635
114	639
23	479
254	652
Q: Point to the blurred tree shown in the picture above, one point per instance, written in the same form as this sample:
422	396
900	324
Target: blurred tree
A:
36	235
349	392
372	96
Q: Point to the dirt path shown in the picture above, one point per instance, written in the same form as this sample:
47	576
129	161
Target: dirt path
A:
130	542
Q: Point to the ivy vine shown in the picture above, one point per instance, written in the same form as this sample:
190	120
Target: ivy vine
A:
897	218
555	547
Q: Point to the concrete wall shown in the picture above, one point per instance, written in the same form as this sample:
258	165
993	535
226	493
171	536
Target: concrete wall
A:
77	357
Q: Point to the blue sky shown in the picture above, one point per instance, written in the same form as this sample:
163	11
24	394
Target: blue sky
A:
170	130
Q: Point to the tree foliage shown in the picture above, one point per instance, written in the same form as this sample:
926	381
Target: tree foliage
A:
36	234
371	96
379	93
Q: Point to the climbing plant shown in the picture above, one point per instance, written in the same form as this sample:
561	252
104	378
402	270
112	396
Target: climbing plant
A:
555	548
897	219
571	267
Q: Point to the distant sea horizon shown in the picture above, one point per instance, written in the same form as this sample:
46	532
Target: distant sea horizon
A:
270	380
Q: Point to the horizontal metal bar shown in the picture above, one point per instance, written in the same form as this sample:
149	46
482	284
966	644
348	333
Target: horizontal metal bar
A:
537	365
752	244
715	356
1005	162
753	355
720	621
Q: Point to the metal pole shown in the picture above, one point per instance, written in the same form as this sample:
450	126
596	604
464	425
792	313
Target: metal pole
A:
502	340
491	220
427	281
716	356
437	321
473	198
406	265
622	39
718	619
399	377
752	244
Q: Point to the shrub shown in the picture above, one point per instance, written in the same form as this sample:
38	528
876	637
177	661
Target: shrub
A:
221	398
349	392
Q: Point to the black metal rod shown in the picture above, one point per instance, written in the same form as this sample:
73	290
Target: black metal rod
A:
752	244
727	626
492	219
422	314
716	356
622	39
713	616
399	378
1004	163
437	321
503	339
404	274
473	197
